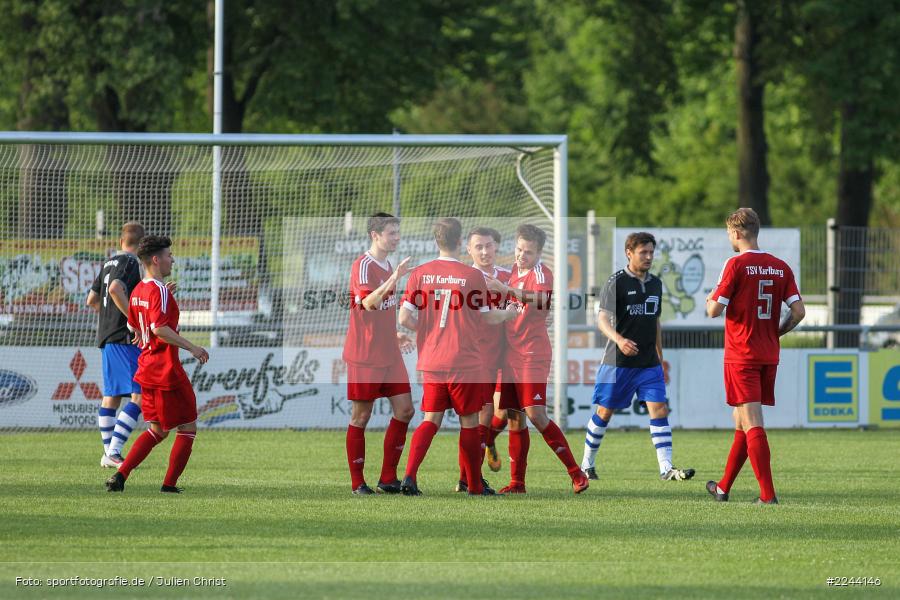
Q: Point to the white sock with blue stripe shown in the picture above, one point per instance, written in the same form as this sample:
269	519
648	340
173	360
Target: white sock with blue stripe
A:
596	429
106	420
127	421
661	436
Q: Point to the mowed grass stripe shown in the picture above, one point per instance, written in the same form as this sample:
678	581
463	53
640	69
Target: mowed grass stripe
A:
275	506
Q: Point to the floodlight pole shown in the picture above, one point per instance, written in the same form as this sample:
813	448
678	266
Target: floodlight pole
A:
215	255
561	282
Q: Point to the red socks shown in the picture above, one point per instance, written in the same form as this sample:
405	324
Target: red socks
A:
483	434
394	442
472	453
356	455
736	459
421	441
497	426
519	442
139	451
178	457
557	441
760	459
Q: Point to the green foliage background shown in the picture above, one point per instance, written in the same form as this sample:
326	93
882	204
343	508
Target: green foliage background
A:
645	90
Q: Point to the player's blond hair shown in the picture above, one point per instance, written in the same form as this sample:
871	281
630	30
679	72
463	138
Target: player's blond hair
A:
447	233
745	220
132	232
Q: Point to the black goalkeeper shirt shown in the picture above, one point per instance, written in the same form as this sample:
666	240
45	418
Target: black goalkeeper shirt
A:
636	306
112	328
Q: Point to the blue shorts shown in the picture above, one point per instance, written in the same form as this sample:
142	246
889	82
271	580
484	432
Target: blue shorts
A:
119	367
616	386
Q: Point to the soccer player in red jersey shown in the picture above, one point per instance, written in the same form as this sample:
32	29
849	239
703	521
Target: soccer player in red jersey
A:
168	398
372	351
447	304
751	289
481	245
527	363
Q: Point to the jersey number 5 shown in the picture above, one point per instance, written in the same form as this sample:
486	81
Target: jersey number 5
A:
765	313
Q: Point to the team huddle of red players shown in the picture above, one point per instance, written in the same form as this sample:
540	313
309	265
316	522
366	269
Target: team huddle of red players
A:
481	336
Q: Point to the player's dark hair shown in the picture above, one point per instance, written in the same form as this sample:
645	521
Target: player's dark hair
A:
746	220
530	233
379	221
639	238
152	245
447	233
132	232
485	231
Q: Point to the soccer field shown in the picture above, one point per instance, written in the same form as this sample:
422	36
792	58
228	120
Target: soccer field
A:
271	513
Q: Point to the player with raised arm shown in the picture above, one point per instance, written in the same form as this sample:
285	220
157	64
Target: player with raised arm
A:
448	306
527	361
372	351
482	244
751	290
108	296
630	306
168	398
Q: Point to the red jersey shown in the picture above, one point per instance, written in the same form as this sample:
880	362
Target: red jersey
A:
527	339
494	343
372	335
447	297
753	285
152	307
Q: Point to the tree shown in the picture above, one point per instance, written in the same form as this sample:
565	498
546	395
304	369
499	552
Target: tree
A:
596	77
753	175
850	60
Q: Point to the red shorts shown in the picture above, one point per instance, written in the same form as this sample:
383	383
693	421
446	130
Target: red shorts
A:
367	384
169	408
524	386
750	383
464	392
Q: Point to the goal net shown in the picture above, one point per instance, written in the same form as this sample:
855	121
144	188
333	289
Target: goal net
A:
289	221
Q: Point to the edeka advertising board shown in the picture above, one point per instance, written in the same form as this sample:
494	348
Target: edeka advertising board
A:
52	277
303	388
884	388
689	261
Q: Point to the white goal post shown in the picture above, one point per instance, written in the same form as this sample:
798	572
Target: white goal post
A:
96	171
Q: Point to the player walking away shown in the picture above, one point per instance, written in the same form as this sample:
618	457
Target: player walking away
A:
482	245
752	286
447	304
632	362
108	296
527	361
168	398
375	366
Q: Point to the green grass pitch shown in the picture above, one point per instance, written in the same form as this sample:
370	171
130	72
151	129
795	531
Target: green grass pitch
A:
271	513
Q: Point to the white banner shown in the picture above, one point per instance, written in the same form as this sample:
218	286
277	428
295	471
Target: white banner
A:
814	388
304	388
689	261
